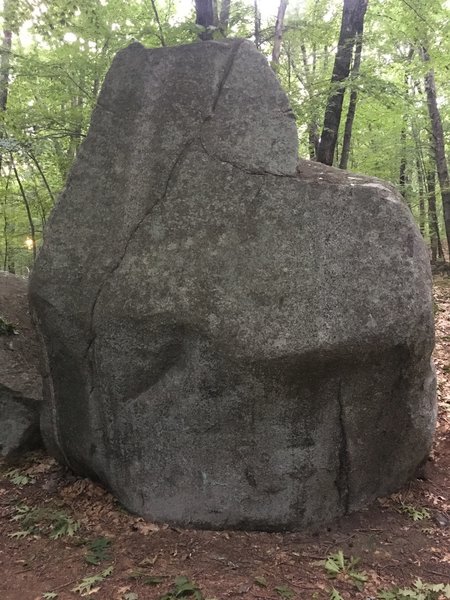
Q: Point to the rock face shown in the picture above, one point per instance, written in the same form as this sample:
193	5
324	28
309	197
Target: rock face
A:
20	382
232	340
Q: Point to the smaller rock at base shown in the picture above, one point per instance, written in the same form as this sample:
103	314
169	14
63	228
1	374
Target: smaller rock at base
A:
20	382
19	424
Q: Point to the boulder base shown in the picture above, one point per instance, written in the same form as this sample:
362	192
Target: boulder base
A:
232	339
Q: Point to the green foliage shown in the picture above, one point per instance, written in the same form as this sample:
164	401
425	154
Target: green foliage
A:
6	328
416	514
18	478
335	595
261	581
284	592
183	588
44	520
57	66
98	551
419	591
49	595
337	564
88	584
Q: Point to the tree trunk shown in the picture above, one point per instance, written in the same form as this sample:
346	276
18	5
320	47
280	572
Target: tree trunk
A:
5	59
6	242
278	34
43	177
438	144
4	68
421	182
6	223
27	208
435	238
352	22
224	18
205	18
257	25
353	101
402	177
75	136
158	22
313	128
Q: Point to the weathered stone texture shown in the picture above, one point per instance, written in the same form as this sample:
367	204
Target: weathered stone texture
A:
20	381
232	340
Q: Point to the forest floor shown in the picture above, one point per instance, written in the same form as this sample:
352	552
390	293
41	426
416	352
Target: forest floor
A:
113	555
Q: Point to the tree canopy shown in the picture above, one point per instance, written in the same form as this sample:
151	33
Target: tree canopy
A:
54	56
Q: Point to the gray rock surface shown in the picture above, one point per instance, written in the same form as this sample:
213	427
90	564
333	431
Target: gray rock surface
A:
232	339
20	381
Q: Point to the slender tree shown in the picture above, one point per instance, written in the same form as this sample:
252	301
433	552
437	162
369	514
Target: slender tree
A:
435	238
351	112
276	51
257	16
438	143
352	23
402	176
224	17
27	207
6	256
421	184
158	22
5	62
313	128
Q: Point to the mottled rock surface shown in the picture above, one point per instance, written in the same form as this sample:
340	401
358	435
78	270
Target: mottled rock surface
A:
20	381
232	339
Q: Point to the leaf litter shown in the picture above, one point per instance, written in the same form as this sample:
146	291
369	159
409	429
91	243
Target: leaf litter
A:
399	545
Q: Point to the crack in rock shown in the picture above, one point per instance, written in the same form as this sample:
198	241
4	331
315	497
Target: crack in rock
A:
177	162
240	167
228	69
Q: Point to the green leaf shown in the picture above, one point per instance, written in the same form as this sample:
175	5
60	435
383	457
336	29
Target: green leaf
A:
419	591
359	578
64	526
6	328
335	564
88	583
416	514
18	478
49	595
98	551
261	581
284	592
19	535
183	587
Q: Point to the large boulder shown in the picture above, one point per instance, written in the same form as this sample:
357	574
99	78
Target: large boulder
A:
20	381
232	340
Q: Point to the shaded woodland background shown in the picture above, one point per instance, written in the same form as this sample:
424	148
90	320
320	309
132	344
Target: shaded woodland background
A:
368	80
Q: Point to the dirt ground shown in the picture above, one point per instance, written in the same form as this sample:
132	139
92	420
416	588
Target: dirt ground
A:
113	555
